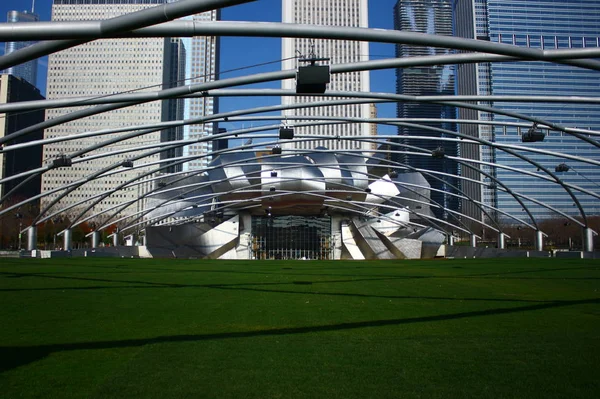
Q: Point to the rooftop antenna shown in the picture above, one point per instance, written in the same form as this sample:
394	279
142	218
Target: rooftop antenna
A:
33	6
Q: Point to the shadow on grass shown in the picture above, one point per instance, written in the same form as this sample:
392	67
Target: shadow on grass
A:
301	270
255	287
364	277
12	357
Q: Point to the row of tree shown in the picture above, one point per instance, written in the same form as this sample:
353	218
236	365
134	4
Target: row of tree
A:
562	234
13	222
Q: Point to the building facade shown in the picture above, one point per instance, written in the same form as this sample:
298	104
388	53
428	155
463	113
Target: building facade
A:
546	25
27	70
202	66
432	17
14	89
104	67
351	13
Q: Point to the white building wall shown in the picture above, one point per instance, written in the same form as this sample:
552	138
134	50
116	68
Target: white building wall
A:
203	62
351	13
104	67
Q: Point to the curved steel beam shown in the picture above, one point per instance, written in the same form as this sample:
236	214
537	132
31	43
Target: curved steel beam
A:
512	193
128	204
517	155
279	30
23	106
219	194
521	204
118	25
368	97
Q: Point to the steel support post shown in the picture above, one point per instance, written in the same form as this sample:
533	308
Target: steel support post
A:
95	237
473	240
588	239
31	238
501	241
116	239
67	240
450	239
539	240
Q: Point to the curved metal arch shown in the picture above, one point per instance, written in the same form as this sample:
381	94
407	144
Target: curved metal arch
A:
354	205
566	156
156	127
396	122
272	29
24	106
119	25
109	192
524	158
219	194
308	152
115	189
139	98
470	137
382	97
359	204
521	204
416	169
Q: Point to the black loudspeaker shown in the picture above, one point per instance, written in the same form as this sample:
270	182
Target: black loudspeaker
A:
61	162
286	133
312	79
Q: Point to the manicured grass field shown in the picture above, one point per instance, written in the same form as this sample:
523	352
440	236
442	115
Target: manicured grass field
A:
133	328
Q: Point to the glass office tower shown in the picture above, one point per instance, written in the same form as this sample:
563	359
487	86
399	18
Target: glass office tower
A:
27	70
547	25
433	17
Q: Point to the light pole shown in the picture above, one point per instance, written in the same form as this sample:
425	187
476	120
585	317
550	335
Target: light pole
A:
20	217
54	221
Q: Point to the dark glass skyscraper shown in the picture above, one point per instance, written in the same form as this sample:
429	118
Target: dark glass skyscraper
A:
433	17
12	90
27	70
548	25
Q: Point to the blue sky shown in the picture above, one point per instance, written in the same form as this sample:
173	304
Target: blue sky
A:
242	52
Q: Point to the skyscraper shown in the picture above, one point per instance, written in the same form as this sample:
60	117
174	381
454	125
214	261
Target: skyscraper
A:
548	25
466	84
433	17
27	70
14	89
104	67
352	13
202	66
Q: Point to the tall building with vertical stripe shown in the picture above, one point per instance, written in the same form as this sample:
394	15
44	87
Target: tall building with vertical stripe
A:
431	17
202	66
540	24
351	13
108	66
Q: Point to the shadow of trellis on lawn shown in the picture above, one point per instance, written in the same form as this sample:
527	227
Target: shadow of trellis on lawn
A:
13	357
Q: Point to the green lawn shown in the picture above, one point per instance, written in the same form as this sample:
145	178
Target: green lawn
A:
133	328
